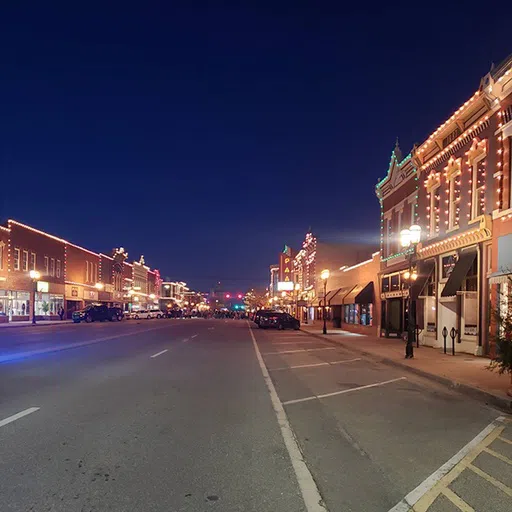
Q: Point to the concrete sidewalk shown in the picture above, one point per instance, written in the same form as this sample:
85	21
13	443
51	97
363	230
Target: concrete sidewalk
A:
465	372
28	323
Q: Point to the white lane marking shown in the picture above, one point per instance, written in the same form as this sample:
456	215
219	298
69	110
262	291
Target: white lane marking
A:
416	494
294	342
315	364
184	340
299	350
18	415
342	392
57	348
194	336
159	353
310	493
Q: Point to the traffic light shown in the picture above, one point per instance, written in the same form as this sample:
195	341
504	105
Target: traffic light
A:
228	296
239	295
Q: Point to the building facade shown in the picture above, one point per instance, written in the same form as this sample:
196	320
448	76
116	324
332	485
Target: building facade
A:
70	276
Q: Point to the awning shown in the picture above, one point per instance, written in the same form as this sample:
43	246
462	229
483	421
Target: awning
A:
459	272
329	295
350	298
337	298
425	269
366	295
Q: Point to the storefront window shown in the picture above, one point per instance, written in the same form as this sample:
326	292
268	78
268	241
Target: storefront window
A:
20	303
4	303
448	262
470	284
385	284
351	314
49	304
395	282
365	318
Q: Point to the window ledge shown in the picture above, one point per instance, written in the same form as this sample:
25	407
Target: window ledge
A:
476	220
497	214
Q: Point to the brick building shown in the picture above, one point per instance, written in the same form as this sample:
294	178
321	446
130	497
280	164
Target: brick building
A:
70	276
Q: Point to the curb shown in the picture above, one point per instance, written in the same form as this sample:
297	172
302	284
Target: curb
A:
502	403
40	323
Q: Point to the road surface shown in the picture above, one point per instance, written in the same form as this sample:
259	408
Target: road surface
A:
200	415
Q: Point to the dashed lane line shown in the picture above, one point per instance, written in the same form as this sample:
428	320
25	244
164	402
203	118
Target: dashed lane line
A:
159	353
314	364
307	485
18	415
342	392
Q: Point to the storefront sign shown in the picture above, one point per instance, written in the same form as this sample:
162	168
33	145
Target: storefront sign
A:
395	294
90	294
43	286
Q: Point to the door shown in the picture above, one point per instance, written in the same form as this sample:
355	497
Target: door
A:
447	318
395	316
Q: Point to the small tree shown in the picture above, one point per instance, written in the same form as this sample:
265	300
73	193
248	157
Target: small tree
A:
502	337
45	306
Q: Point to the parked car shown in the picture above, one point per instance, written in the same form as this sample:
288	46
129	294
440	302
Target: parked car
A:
141	313
157	313
97	312
260	313
278	321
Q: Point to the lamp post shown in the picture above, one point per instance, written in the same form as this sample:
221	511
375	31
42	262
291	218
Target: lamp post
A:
35	276
297	289
410	238
324	275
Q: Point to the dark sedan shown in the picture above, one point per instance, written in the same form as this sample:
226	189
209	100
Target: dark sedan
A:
97	312
278	321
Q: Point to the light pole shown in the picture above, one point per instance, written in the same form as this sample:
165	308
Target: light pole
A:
35	276
324	275
297	289
410	238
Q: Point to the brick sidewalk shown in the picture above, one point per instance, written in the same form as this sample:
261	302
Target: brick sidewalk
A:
465	372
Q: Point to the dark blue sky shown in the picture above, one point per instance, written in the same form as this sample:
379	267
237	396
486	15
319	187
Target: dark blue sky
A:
209	137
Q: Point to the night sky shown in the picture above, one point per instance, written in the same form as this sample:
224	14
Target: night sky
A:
206	138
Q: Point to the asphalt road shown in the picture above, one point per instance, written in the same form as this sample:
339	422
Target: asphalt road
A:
177	415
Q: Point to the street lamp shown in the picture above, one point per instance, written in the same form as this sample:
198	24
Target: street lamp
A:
324	275
35	276
410	238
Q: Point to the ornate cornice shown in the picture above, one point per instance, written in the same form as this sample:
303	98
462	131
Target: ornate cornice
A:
480	234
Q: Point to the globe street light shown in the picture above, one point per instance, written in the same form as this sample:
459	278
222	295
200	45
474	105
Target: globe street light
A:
410	238
324	275
35	276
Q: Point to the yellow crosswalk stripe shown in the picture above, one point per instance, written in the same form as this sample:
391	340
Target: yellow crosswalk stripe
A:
491	480
457	500
498	455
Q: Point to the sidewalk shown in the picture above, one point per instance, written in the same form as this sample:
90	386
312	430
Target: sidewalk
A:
28	323
465	372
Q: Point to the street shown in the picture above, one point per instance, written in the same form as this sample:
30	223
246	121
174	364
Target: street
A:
180	415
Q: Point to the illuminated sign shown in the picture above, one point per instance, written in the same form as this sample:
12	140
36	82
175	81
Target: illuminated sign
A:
285	286
285	266
43	286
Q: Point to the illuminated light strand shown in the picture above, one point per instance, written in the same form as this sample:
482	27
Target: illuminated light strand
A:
467	133
459	111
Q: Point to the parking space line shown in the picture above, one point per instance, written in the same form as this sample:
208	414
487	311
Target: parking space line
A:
501	486
457	500
18	415
505	440
307	485
343	391
159	353
298	350
314	364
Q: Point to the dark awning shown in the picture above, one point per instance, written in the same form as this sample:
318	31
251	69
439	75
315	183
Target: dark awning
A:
328	297
459	272
366	295
337	298
425	269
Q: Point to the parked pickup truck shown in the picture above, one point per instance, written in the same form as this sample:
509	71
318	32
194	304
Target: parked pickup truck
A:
97	312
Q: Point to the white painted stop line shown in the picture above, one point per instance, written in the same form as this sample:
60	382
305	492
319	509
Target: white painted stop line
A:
18	415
